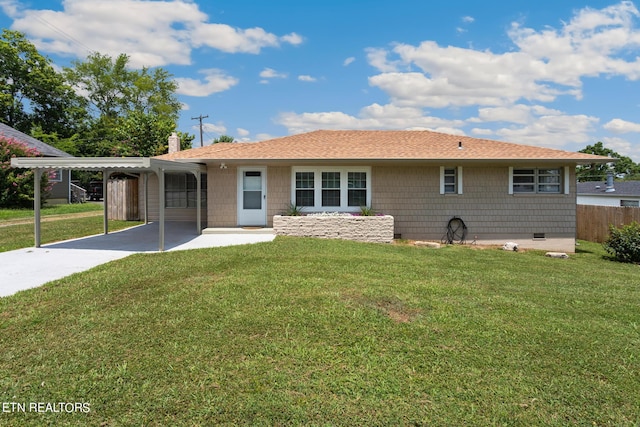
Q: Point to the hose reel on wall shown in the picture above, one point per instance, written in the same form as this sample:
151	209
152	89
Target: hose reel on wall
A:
456	231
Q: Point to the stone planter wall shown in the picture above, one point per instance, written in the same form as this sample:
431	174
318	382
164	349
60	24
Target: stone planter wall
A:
377	229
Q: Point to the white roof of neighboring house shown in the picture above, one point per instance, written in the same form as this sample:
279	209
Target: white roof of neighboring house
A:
31	142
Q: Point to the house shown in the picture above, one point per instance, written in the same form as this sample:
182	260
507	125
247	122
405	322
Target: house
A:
501	191
60	179
603	193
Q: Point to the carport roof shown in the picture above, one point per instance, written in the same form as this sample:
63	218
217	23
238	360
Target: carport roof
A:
130	164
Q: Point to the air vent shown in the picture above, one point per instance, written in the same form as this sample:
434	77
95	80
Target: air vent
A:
539	236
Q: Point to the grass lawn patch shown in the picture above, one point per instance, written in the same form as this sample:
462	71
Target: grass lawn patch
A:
319	332
63	209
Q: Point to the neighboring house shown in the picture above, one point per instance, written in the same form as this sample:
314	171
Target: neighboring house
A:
618	193
502	191
59	178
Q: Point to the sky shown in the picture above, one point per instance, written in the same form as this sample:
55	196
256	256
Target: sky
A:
560	74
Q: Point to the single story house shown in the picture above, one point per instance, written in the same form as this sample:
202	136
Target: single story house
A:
60	179
502	191
603	193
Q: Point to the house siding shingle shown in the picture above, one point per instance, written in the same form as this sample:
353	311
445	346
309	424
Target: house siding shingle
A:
222	197
411	195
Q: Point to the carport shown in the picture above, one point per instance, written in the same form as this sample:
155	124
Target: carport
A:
108	166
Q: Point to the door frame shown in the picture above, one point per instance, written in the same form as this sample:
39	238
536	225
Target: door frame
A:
262	217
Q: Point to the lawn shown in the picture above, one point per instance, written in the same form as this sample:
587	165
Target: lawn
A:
317	332
13	214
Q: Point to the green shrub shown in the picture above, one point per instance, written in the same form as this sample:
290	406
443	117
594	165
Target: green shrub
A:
624	242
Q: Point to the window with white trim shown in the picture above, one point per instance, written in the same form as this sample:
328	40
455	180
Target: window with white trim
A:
450	180
536	180
180	190
331	188
304	189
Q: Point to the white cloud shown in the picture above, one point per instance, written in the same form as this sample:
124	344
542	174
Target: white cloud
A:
556	131
374	116
293	38
306	78
264	137
212	128
378	58
242	132
270	73
214	81
10	7
152	33
348	61
482	132
431	76
622	126
623	147
542	66
467	19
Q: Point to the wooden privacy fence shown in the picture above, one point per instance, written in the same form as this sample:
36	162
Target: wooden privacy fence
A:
592	222
123	199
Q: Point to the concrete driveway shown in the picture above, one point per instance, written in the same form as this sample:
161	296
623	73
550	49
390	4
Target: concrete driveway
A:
31	267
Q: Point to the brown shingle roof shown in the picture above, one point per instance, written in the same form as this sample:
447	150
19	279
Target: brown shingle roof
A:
379	145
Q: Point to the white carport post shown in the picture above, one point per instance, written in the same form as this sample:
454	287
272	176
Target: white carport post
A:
161	203
37	175
198	202
145	179
105	199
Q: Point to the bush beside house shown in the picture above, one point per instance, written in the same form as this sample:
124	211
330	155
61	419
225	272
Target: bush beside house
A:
16	185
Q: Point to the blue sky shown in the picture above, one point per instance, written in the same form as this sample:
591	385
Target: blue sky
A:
560	74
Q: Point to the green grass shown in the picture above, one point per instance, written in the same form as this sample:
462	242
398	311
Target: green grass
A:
11	214
21	236
318	332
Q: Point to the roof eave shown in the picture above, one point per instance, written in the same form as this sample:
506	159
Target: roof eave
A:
391	161
105	163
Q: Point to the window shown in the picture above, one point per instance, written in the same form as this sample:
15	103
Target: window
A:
331	188
450	180
536	180
630	203
55	175
304	189
180	190
357	187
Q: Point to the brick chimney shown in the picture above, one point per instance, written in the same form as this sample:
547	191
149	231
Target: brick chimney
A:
174	143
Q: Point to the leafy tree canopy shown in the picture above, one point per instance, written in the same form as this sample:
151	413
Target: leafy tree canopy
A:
134	111
623	167
223	138
33	93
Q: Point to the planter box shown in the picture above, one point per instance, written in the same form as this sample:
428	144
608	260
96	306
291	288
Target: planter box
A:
378	229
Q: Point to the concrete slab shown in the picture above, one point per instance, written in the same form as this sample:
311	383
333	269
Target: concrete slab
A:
32	267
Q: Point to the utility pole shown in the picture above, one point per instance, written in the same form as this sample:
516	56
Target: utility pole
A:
200	117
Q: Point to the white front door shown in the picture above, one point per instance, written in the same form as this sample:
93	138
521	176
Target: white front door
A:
252	198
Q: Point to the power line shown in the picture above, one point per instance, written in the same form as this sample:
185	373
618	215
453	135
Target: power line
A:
200	117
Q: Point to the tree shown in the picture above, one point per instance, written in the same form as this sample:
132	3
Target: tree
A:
32	92
142	134
134	111
223	138
16	185
598	171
